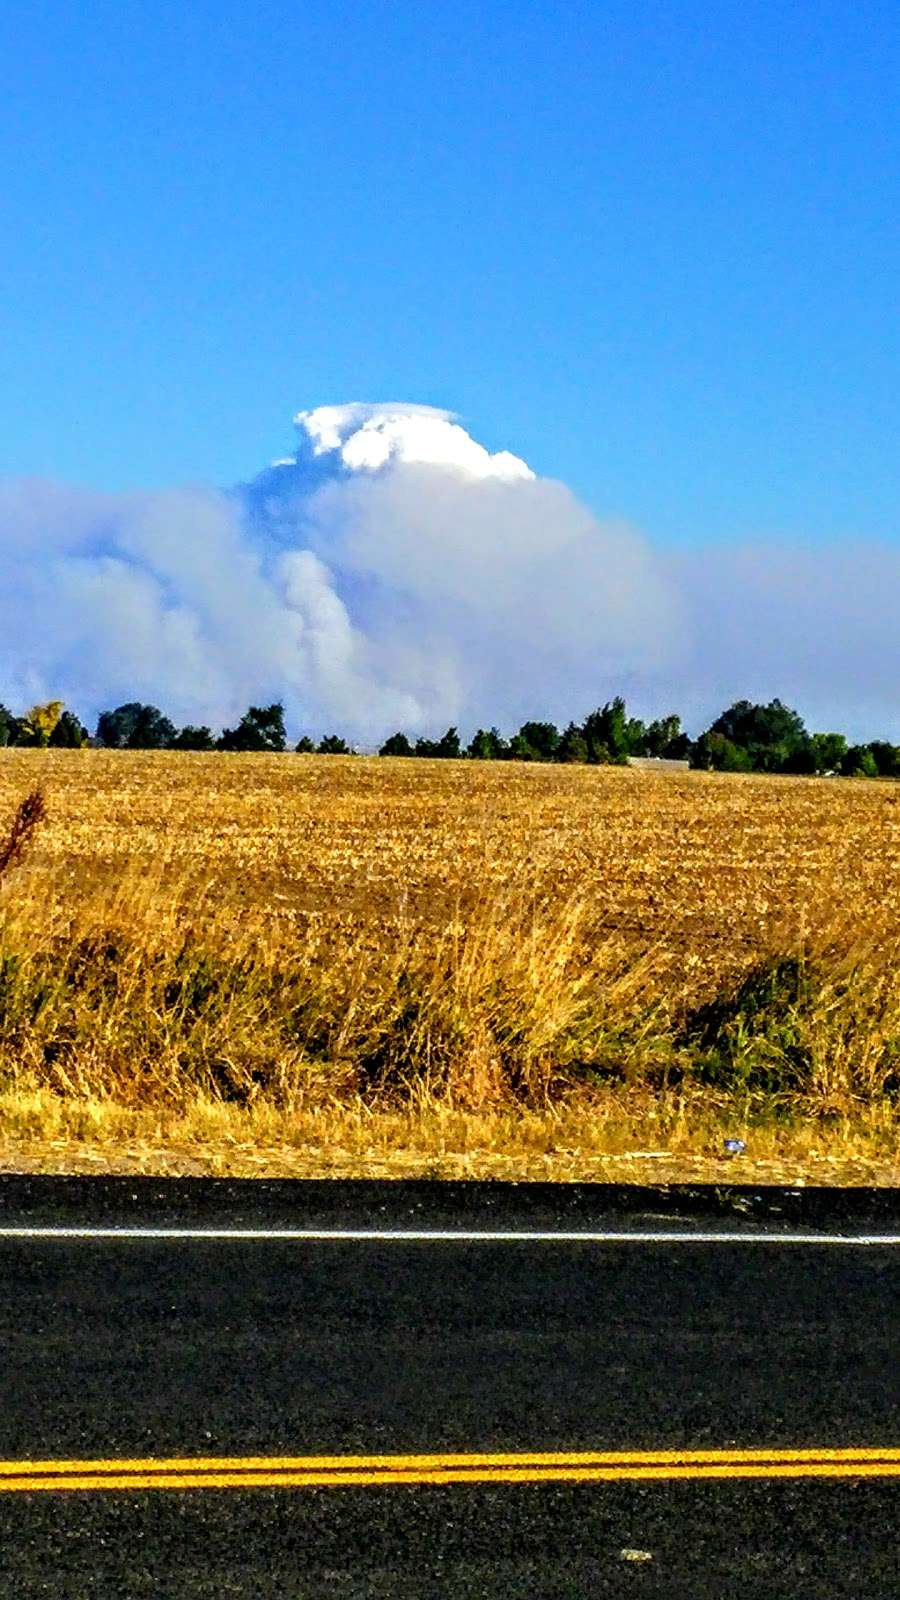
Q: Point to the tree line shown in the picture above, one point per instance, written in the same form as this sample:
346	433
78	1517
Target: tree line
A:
135	726
747	737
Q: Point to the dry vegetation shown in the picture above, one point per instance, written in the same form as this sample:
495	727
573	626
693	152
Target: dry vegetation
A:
324	964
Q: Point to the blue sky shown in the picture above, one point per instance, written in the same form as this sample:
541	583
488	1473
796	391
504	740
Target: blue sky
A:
652	248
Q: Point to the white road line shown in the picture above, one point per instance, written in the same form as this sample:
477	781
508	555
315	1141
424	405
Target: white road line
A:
455	1236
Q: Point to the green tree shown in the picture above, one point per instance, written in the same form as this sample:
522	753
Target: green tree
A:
606	734
801	761
886	757
665	738
712	752
304	746
488	745
859	762
829	750
520	750
191	738
768	733
9	727
69	733
397	745
261	728
134	726
444	749
542	739
572	746
331	745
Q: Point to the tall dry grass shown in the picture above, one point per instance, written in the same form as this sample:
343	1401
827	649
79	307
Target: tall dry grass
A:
147	992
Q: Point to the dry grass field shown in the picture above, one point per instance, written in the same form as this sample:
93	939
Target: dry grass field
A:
348	964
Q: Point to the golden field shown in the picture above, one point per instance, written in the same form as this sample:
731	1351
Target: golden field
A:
354	964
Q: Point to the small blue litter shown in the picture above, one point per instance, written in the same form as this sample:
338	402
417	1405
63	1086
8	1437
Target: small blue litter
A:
735	1147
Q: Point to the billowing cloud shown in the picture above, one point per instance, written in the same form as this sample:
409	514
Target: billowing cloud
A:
367	437
393	572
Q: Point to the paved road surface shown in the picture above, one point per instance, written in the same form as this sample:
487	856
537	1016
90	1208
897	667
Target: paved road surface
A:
676	1322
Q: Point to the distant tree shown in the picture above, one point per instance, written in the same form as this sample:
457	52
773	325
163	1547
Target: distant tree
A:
488	745
519	749
542	738
572	746
38	724
331	745
304	746
396	745
768	733
69	733
261	728
134	727
859	762
114	727
679	748
829	750
9	726
191	738
445	749
606	733
665	738
802	761
886	757
658	734
712	752
152	731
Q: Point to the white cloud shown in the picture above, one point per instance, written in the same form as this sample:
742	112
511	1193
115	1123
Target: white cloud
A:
368	437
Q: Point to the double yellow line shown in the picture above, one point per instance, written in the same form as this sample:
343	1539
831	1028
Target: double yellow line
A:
341	1472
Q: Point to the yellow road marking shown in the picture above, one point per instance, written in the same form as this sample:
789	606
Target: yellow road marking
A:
303	1472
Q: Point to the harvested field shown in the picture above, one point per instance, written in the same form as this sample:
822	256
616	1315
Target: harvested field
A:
699	861
308	932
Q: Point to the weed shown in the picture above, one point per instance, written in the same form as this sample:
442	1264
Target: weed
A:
28	816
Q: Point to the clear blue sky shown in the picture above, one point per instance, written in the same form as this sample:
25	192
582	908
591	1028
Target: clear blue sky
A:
654	248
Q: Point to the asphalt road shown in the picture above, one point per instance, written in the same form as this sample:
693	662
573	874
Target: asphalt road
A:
686	1322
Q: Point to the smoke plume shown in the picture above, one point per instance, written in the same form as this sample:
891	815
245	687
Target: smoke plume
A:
393	573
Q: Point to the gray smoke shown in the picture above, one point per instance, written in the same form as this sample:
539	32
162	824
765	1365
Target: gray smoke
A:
393	573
